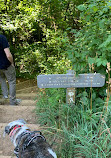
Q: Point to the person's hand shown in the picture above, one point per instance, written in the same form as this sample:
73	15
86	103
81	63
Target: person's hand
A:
13	65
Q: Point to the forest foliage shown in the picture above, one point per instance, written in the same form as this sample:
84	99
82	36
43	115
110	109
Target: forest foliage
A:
92	43
76	34
35	32
52	36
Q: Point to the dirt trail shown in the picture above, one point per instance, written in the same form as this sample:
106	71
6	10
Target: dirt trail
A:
27	91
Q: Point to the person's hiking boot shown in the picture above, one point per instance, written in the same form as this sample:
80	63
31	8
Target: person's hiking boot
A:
5	97
16	102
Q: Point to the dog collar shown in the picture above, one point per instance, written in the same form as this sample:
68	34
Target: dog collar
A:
14	129
31	137
16	150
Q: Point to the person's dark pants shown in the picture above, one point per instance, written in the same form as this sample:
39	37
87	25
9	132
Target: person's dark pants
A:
10	75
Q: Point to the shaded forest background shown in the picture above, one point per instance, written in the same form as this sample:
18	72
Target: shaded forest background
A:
35	31
51	36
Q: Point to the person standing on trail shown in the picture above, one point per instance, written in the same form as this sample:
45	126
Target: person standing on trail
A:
7	71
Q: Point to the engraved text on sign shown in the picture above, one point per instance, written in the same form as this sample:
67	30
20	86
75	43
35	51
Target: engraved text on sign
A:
69	80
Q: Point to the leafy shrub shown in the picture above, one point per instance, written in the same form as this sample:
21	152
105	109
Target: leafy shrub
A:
79	130
92	43
47	57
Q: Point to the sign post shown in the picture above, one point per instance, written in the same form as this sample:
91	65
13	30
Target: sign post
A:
70	81
70	95
70	92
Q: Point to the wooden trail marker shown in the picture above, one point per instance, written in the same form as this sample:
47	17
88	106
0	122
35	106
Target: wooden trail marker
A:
71	81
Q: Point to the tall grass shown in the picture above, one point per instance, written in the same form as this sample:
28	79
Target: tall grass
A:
78	130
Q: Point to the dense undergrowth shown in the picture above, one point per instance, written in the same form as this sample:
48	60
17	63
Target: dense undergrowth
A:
77	130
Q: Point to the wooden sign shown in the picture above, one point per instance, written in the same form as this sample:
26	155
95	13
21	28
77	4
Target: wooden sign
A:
69	80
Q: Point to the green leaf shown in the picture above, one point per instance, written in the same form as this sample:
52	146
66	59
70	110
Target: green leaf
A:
104	62
93	95
101	23
91	60
81	7
104	44
98	61
95	8
88	17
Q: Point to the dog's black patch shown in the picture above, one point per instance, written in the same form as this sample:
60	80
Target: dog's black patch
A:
28	144
36	149
32	145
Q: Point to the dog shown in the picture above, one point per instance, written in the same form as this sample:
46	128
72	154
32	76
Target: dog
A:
28	144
